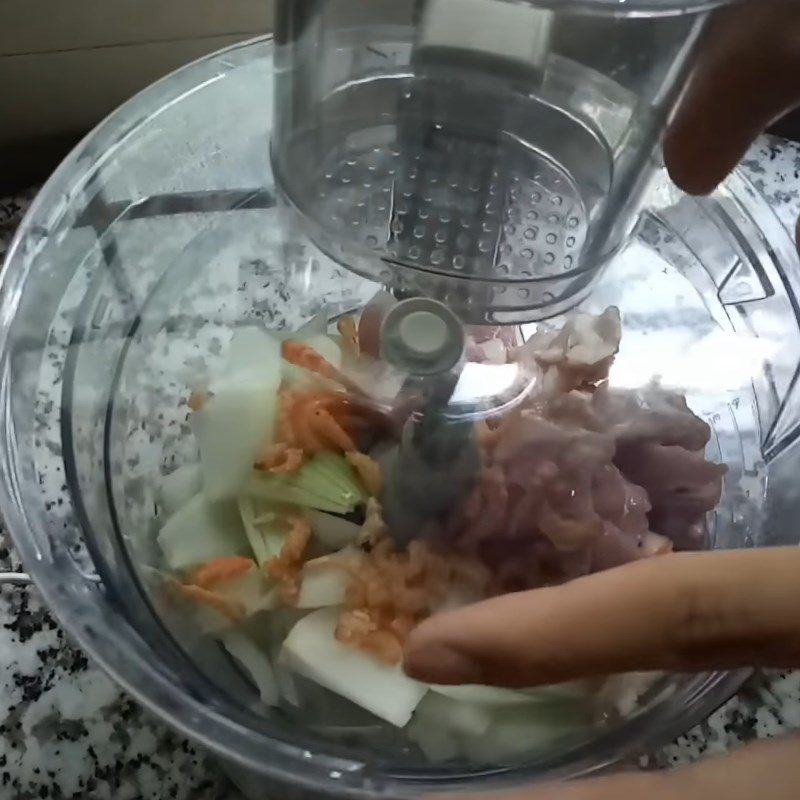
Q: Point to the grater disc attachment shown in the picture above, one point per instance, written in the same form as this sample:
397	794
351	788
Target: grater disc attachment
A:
459	206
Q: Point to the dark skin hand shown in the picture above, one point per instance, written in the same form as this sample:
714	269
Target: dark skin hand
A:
692	611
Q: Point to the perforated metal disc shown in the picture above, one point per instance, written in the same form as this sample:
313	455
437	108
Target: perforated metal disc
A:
441	208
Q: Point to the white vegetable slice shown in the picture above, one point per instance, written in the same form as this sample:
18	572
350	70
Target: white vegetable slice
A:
496	696
324	580
482	695
491	725
519	731
255	663
312	650
234	424
322	587
200	532
333	532
439	722
455	715
436	742
179	487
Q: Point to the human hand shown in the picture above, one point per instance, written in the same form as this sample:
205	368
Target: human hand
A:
747	76
687	611
681	612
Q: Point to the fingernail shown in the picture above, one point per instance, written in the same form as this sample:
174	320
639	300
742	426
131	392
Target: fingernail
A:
436	663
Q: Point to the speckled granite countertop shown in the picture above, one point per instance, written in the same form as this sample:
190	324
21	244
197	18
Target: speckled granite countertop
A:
67	732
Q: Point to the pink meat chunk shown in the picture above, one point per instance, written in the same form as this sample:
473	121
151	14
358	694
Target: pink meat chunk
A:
583	477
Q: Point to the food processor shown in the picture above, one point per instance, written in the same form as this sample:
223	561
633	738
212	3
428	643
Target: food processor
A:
467	171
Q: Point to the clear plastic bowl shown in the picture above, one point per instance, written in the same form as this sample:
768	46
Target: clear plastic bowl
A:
159	234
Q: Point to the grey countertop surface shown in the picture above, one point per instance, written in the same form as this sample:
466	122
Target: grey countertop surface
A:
66	731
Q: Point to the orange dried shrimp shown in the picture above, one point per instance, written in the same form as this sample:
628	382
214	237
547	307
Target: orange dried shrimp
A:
280	458
348	330
390	592
303	355
311	422
285	567
218	570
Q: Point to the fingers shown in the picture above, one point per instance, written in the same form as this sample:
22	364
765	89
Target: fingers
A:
688	611
770	771
747	75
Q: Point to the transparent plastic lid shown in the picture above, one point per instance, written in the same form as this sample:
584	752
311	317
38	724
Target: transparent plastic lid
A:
492	155
241	473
